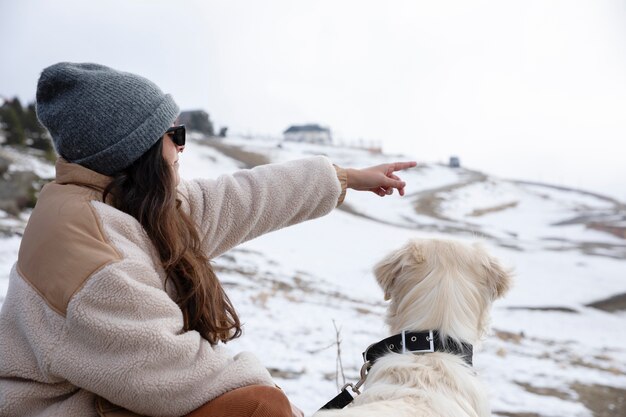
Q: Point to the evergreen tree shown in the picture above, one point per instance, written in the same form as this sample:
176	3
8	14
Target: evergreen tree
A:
12	126
16	105
31	123
198	121
35	131
21	127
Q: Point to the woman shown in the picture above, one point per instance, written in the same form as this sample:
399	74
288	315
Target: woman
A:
113	307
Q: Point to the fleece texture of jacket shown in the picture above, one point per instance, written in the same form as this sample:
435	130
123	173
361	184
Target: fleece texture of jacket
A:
87	322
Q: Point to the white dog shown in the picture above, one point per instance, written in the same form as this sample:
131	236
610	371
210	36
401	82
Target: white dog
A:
434	285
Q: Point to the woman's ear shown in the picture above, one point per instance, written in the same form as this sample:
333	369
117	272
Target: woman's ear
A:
388	269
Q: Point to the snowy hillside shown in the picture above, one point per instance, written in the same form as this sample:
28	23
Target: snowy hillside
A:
550	353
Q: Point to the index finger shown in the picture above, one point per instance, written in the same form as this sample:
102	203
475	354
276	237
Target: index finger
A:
399	166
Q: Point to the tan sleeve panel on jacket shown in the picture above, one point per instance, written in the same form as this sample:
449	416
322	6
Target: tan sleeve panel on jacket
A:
62	245
342	176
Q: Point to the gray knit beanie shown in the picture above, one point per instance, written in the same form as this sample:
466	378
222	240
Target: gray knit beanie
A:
102	118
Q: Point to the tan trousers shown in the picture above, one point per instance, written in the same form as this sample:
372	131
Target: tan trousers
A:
251	401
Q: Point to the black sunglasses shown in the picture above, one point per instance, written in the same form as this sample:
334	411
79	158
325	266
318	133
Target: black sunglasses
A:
178	134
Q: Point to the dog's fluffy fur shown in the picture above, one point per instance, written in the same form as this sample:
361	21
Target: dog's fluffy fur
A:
433	285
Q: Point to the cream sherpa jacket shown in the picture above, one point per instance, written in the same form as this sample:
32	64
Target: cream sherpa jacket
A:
87	326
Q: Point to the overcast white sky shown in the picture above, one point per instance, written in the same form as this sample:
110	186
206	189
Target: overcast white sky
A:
531	89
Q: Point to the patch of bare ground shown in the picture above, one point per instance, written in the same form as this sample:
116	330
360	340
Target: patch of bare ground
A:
510	246
619	231
602	400
494	209
577	361
611	221
364	311
247	158
603	249
544	308
611	304
242	271
428	205
509	336
285	374
427	202
546	391
592	248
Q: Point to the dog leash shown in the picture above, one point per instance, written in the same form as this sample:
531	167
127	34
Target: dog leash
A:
414	342
345	397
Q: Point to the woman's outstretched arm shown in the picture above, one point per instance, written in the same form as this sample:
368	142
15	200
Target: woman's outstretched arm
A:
235	208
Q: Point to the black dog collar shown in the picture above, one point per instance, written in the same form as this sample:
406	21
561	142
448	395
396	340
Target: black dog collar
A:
412	342
418	342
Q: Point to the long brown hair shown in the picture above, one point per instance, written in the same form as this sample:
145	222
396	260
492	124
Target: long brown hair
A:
147	191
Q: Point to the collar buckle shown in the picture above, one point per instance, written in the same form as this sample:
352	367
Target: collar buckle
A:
430	339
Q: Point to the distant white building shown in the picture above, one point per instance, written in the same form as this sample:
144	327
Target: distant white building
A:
308	133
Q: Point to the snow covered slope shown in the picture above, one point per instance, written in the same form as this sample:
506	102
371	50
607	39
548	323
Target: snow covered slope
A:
550	353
